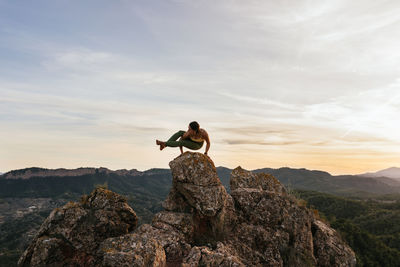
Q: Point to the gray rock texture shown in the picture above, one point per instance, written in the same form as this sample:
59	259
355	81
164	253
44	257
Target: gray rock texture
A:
258	224
72	234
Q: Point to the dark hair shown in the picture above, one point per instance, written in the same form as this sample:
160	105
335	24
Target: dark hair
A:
195	126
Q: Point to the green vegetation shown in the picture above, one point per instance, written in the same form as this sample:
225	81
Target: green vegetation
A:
144	193
368	221
370	226
16	234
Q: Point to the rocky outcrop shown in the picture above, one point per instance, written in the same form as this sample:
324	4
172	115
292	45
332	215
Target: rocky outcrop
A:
258	224
328	248
72	234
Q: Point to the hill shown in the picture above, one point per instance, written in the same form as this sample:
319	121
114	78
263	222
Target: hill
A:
345	185
370	226
26	201
39	182
392	172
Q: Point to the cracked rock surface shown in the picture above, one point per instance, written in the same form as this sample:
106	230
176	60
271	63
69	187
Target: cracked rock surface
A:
258	224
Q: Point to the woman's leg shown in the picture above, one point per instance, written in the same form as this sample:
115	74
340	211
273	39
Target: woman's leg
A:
176	135
172	142
186	143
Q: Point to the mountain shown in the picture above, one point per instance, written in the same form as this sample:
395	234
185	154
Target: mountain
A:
371	228
25	203
61	172
258	224
321	181
155	183
392	172
325	182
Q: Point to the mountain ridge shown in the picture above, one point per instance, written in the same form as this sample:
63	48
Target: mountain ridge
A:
297	178
144	192
30	172
392	173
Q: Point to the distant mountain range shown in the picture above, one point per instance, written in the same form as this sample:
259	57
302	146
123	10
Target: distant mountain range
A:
28	195
46	182
393	173
42	172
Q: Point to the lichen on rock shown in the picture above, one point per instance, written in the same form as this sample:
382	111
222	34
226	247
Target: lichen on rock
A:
71	234
258	224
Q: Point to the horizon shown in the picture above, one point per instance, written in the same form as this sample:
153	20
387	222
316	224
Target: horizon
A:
299	84
220	166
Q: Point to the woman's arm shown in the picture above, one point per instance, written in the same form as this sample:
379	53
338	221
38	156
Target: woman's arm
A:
208	142
187	134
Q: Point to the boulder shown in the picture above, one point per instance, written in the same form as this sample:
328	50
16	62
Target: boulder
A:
196	185
329	249
241	178
275	229
133	250
71	234
206	256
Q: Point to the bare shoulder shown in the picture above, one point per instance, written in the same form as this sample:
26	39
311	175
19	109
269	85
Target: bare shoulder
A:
203	132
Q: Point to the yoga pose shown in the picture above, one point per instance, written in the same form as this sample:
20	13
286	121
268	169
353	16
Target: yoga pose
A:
193	138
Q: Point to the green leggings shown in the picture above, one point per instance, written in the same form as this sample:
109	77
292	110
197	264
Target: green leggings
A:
183	142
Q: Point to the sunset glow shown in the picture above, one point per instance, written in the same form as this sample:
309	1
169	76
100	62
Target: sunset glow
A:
304	84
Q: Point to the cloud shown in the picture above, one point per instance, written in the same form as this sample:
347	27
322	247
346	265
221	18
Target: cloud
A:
255	130
253	142
80	58
311	77
262	101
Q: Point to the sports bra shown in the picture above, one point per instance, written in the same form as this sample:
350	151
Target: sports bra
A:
199	140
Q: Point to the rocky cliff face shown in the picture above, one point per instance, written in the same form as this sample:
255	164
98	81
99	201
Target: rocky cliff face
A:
259	224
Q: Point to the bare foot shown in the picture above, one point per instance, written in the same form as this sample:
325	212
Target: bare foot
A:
161	144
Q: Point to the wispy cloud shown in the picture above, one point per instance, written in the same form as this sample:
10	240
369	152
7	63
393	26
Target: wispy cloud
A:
255	142
301	82
262	101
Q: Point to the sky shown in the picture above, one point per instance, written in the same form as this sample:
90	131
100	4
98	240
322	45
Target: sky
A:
295	83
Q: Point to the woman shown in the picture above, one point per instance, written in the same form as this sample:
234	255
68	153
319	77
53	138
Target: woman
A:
193	138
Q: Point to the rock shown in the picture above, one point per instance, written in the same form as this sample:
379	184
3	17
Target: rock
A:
71	234
197	190
241	178
205	256
196	184
175	221
329	248
259	224
272	228
133	250
174	242
176	202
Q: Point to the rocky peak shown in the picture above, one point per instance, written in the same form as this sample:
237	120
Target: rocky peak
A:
72	234
259	224
195	185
